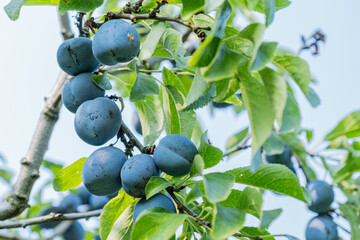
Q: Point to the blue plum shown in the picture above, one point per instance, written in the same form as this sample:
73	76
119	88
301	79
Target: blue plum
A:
70	203
136	172
80	89
84	195
97	121
322	195
282	158
321	228
98	202
158	200
100	173
75	56
175	154
74	232
116	41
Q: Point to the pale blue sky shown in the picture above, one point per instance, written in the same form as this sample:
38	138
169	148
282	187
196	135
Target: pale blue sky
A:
28	70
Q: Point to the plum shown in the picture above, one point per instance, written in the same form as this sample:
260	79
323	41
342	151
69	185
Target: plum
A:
136	172
282	158
175	154
100	172
70	203
80	89
98	202
322	195
75	56
75	231
158	200
321	228
97	121
116	41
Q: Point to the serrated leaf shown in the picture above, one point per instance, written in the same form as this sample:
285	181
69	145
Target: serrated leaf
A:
226	221
297	69
144	86
348	127
264	55
102	81
13	8
197	166
202	101
225	89
70	176
111	212
155	185
194	193
187	123
211	155
159	226
218	186
151	41
191	7
269	216
173	46
79	5
273	177
151	118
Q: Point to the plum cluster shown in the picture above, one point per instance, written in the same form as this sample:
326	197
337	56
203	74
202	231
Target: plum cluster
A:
321	226
70	204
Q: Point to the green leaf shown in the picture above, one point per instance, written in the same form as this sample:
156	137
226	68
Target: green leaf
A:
269	216
211	155
191	7
155	185
111	212
121	229
251	201
173	46
53	167
259	107
79	5
223	65
280	4
144	86
151	118
348	127
273	145
187	123
151	41
254	231
249	4
298	70
237	138
264	55
204	20
13	8
208	49
194	193
102	81
211	5
273	177
225	89
218	186
276	88
269	11
226	221
313	98
291	117
70	176
6	175
197	166
254	33
110	6
352	214
202	101
159	226
199	88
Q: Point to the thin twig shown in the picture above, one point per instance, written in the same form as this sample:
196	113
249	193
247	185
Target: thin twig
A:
17	201
182	208
48	218
242	145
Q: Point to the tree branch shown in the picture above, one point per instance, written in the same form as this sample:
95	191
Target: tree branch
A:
52	217
242	145
17	201
182	208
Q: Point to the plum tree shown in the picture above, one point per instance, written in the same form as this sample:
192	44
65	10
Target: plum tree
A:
322	195
80	89
75	231
282	158
98	202
136	172
101	170
116	41
97	121
75	56
175	154
321	228
70	203
158	200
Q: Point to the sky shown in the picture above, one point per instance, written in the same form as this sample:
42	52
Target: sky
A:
29	69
